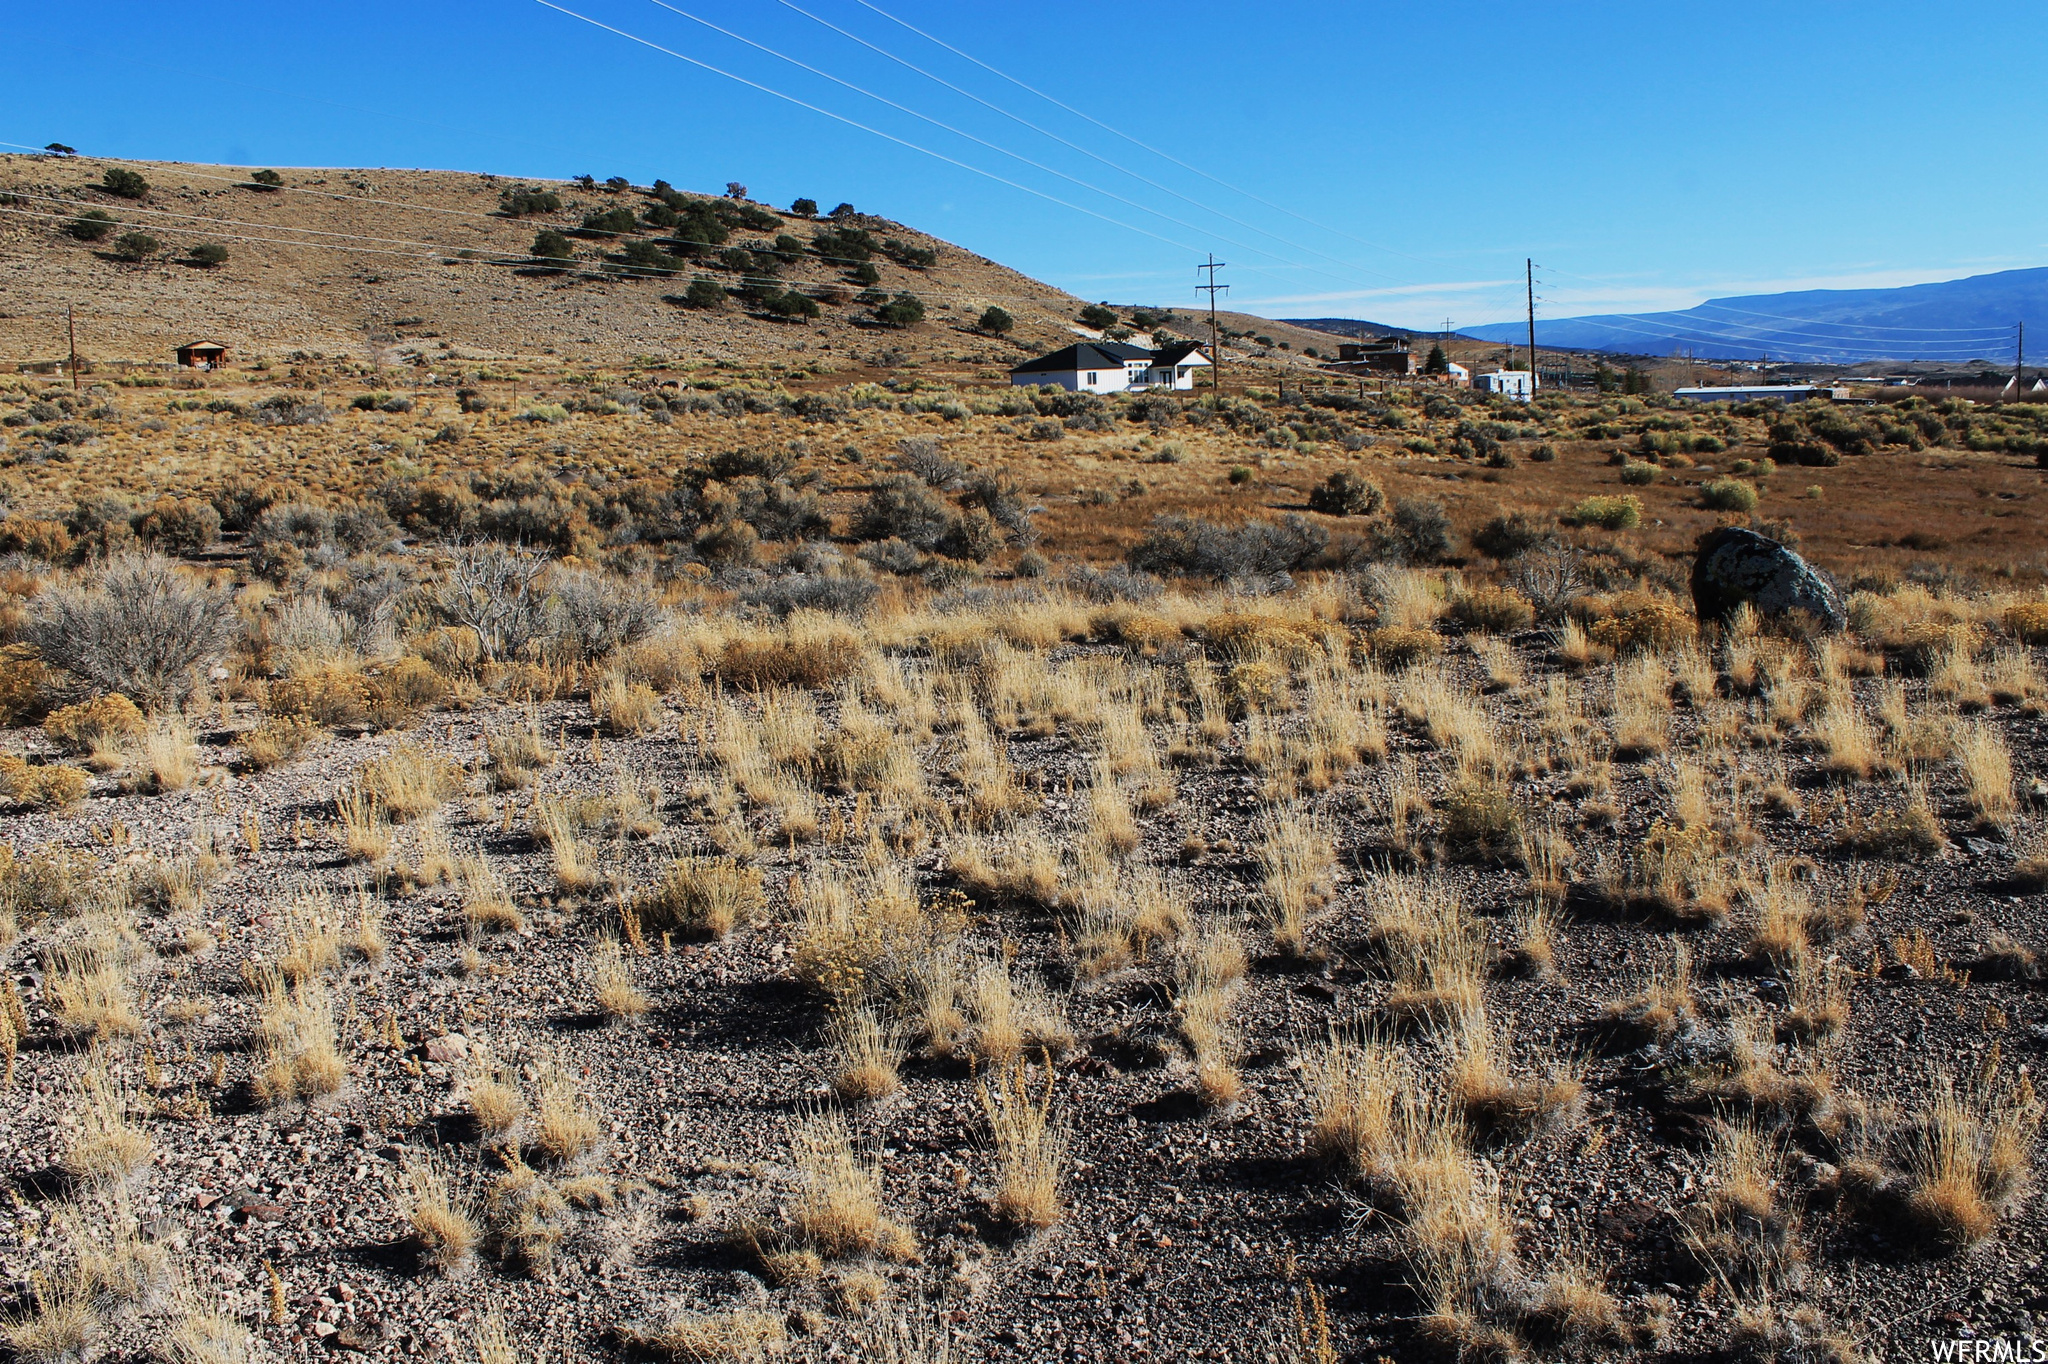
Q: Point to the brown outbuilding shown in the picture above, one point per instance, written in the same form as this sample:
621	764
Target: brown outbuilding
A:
202	355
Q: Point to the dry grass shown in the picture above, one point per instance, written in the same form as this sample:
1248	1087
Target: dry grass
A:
445	1229
1743	1231
166	759
611	982
365	828
710	896
1011	1017
1030	1149
302	1058
1493	1101
1298	857
1434	951
744	1336
867	1058
105	1145
1970	1161
58	1324
410	782
1849	743
564	1128
486	904
1357	1090
837	1210
494	1097
1986	763
1665	1007
1207	974
90	996
625	707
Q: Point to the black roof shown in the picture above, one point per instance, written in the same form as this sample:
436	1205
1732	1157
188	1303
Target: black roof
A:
1083	355
1177	352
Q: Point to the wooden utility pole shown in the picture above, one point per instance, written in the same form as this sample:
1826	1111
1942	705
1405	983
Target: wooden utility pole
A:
1529	267
2019	362
1215	336
71	326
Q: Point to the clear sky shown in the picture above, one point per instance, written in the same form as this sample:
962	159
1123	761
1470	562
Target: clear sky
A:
1390	162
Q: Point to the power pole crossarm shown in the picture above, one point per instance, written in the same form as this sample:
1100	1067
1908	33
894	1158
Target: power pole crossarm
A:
1215	336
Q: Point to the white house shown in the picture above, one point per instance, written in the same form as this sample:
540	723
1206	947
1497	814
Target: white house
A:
1109	367
1518	384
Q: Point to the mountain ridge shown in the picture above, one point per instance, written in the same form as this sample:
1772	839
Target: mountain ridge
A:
1957	321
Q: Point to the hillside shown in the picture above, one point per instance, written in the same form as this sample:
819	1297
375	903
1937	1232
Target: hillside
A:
388	264
1958	321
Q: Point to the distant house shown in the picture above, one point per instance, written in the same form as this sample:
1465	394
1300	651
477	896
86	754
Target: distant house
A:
1390	355
202	355
1518	384
1110	367
1759	393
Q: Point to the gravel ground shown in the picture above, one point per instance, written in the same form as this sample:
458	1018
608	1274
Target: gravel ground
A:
1188	1233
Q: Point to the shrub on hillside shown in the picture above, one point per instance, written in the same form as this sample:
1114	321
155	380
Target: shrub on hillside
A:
1346	494
1610	513
1099	317
1511	535
136	625
283	409
615	221
1253	553
902	507
804	208
136	247
526	200
594	614
126	183
208	255
93	225
180	525
904	310
550	245
995	321
704	293
1728	494
1417	531
497	593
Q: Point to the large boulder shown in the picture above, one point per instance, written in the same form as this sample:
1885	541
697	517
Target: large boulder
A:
1736	566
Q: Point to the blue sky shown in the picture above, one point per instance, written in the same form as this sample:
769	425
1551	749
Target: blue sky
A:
1391	162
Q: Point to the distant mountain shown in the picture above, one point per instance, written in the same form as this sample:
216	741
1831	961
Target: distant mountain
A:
1956	321
1347	326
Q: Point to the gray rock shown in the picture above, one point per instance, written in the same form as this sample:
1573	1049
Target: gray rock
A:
1736	566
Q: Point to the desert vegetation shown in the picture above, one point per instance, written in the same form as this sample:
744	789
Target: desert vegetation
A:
710	862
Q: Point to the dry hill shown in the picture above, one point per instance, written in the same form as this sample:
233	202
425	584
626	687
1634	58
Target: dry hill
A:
389	264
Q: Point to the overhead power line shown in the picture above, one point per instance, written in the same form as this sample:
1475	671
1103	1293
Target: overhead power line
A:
1145	146
855	123
1075	146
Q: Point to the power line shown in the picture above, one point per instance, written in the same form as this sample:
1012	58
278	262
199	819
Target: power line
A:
1075	146
936	123
1118	132
854	123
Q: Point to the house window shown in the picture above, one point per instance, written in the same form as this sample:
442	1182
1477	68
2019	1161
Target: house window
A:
1091	376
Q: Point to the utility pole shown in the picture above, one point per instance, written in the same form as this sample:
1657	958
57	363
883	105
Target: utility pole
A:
2019	362
1215	336
1530	268
71	326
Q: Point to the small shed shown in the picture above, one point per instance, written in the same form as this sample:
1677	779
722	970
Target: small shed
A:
202	355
